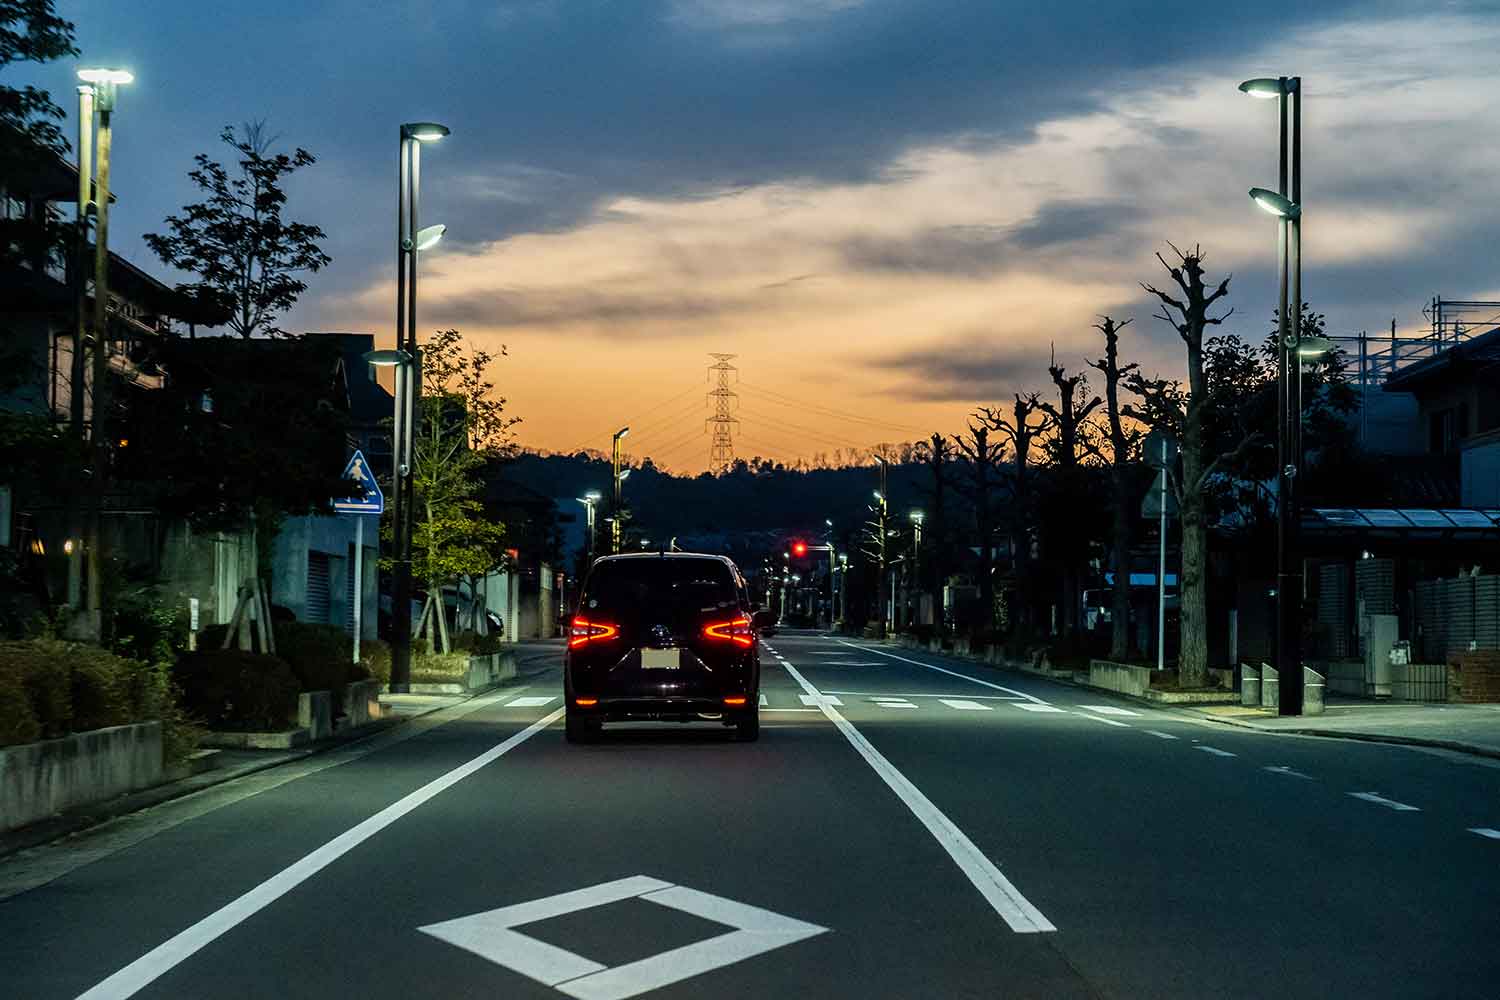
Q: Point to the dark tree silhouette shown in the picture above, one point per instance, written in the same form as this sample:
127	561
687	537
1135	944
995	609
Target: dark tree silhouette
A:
246	255
1069	497
1123	442
980	458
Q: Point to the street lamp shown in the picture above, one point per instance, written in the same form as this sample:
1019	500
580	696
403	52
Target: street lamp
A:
917	517
99	95
1286	204
411	240
589	500
619	478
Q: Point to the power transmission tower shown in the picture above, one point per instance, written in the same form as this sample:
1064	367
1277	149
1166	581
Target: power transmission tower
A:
725	400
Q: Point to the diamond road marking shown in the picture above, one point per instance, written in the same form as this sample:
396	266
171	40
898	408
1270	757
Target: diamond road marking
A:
491	935
530	701
1029	707
1109	710
827	699
965	706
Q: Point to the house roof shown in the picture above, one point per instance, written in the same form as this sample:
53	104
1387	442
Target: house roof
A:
369	403
1476	353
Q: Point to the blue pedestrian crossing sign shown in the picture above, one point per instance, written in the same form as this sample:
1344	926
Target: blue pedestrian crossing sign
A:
367	498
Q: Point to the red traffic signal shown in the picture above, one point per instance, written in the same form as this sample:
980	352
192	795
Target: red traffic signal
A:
799	549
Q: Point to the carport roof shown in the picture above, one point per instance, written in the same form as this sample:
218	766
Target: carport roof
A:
1403	520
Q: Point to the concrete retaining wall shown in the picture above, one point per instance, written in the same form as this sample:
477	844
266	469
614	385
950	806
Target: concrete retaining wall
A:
1270	687
361	703
1312	692
1124	678
490	670
40	779
1249	686
315	713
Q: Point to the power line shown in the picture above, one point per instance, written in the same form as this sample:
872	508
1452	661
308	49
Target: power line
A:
649	410
791	401
801	429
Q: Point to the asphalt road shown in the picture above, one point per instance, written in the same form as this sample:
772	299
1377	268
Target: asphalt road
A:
907	826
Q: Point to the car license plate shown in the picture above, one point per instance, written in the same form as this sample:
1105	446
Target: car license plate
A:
659	659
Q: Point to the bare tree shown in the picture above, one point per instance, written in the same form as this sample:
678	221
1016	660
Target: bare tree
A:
1020	434
1069	418
1186	310
1123	442
981	459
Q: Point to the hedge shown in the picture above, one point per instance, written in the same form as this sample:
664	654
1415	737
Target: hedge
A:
234	690
50	688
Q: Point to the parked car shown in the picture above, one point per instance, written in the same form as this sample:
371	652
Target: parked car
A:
663	635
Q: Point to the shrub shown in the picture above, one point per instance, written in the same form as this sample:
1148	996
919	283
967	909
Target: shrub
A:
375	657
43	668
146	627
478	645
100	687
18	723
317	654
231	689
439	668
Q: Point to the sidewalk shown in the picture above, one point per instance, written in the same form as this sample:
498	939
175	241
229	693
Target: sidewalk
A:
1467	728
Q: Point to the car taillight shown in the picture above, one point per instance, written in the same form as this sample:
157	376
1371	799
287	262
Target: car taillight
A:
737	631
583	631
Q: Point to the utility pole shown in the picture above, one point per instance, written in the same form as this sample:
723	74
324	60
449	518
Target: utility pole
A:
725	400
881	511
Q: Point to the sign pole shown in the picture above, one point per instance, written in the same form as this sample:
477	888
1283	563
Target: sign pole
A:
359	590
1161	568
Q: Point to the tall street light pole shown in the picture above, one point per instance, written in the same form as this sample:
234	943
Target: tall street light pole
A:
410	241
917	517
76	377
881	513
1286	205
590	500
105	82
619	479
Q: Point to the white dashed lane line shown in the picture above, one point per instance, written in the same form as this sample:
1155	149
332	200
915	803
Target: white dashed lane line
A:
1289	772
1381	800
1159	734
1485	831
1108	710
1029	707
1100	718
964	705
1216	751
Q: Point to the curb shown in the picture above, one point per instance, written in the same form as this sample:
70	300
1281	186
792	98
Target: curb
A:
76	821
1457	746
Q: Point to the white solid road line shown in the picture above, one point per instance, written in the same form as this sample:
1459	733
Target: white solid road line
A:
1216	751
172	952
1381	800
1159	734
1485	831
944	670
808	699
530	701
1014	908
882	694
965	706
1100	718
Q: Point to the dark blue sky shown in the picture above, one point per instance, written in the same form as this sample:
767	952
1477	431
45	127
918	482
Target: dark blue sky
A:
912	199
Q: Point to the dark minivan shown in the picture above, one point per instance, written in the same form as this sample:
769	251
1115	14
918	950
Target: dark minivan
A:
663	635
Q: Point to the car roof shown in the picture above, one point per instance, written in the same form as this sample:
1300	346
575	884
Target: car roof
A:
636	556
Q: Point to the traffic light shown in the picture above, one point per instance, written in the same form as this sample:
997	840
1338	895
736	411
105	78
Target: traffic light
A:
799	549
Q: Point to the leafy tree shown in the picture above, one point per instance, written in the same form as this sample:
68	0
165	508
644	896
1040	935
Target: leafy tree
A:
246	255
462	427
30	31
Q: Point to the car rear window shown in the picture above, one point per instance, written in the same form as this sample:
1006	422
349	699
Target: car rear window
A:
672	589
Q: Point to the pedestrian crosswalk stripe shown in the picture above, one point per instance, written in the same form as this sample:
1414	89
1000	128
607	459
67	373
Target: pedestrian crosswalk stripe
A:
827	699
964	706
1108	710
893	703
530	701
1029	707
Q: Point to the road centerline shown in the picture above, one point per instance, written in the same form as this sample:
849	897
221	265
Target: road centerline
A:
1015	909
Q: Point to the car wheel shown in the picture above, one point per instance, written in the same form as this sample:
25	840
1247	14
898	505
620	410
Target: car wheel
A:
747	730
578	728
